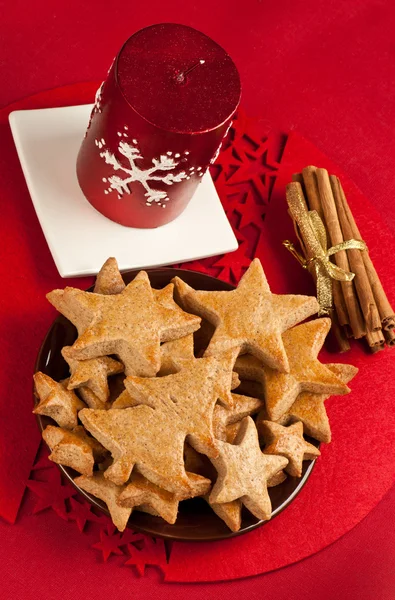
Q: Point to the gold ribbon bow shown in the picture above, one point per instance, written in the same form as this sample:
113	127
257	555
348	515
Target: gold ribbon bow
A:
313	237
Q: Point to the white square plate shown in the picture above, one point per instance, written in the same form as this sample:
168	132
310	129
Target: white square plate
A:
80	238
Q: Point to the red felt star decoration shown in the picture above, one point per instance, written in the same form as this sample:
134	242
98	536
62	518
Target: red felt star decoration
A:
109	544
251	138
81	513
204	265
130	537
229	195
233	265
51	493
111	541
249	209
253	172
153	553
245	127
228	161
234	219
42	463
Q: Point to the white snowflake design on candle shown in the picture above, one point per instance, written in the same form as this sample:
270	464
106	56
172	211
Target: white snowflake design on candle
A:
131	151
98	99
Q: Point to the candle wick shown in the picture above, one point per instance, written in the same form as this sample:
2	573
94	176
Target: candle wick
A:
181	76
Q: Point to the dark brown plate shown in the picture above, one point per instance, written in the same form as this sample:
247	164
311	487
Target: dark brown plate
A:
196	521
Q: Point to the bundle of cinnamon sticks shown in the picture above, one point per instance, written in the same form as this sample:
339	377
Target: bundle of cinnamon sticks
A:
360	307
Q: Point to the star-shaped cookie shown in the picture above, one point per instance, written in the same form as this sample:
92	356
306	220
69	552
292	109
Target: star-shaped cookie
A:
306	373
310	409
249	317
173	352
130	324
152	437
124	400
92	373
148	497
107	491
288	442
73	448
170	365
243	472
197	383
56	401
229	512
243	406
109	279
91	399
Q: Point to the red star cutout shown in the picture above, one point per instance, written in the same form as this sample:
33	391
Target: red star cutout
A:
42	463
228	160
153	553
81	513
51	493
244	126
253	171
249	208
251	136
229	195
234	265
109	544
130	537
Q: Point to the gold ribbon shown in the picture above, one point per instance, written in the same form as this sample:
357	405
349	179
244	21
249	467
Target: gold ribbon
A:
313	236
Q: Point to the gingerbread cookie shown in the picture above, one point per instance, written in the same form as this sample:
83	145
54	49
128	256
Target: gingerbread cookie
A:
118	324
288	442
250	317
56	401
307	373
92	373
243	472
144	495
73	448
109	280
229	512
171	353
152	437
243	406
310	409
109	493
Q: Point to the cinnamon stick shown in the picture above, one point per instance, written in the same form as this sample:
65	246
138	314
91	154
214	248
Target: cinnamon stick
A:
375	339
296	203
385	309
311	186
313	198
298	177
339	334
333	228
357	266
375	349
340	304
389	335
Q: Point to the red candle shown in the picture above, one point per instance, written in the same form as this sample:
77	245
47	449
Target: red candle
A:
158	121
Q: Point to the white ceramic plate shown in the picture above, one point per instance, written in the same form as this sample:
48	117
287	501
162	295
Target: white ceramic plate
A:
80	238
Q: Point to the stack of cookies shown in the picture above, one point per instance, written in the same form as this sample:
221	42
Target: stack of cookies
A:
177	393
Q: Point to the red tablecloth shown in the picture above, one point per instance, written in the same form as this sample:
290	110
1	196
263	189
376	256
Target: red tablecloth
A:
323	68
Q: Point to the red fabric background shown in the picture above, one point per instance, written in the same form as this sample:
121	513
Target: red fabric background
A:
323	68
25	269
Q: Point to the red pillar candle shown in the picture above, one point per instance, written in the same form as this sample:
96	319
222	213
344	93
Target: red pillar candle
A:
157	124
